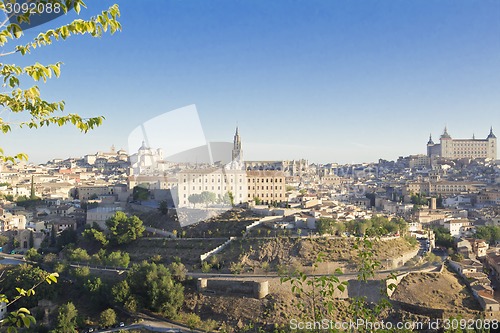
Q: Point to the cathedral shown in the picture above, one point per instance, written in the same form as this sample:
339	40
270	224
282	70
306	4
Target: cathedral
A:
463	148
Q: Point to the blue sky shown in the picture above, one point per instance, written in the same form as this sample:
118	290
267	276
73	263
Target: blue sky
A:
330	81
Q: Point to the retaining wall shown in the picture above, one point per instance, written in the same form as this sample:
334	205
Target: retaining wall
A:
256	289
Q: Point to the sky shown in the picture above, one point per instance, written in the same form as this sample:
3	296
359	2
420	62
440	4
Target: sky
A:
326	80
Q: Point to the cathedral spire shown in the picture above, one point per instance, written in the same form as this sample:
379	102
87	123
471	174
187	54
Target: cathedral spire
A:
237	152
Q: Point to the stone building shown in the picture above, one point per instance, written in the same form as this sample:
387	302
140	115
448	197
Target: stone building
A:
266	185
463	148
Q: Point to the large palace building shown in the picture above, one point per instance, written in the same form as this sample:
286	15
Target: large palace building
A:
463	148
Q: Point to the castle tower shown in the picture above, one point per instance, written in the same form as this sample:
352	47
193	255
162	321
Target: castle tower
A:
446	144
492	145
430	144
237	154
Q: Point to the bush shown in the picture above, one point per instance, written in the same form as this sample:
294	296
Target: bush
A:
33	255
236	267
205	267
107	318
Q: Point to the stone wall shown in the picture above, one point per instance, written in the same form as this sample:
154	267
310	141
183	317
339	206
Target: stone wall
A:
256	289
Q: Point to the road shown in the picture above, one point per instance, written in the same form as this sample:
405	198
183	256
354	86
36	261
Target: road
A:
275	275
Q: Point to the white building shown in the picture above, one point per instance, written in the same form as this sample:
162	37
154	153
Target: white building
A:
216	180
459	227
146	160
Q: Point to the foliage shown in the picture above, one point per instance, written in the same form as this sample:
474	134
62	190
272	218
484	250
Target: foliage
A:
163	207
367	264
432	258
21	317
316	301
458	257
418	199
80	272
443	237
107	318
33	255
208	197
140	193
124	229
94	235
66	318
117	259
328	226
14	99
120	292
3	240
376	226
24	201
205	267
236	267
228	198
315	294
78	255
25	277
178	270
491	234
195	199
113	259
153	286
67	236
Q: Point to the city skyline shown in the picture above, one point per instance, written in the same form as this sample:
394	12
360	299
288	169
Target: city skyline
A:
327	81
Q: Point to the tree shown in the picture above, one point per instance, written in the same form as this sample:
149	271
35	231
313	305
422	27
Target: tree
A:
107	318
33	255
195	199
153	286
163	208
67	236
97	290
95	235
208	197
80	272
326	226
124	229
3	240
117	259
31	240
66	318
78	255
228	198
18	96
178	271
120	292
140	193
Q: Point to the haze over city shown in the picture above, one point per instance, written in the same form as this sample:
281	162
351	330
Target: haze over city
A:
327	81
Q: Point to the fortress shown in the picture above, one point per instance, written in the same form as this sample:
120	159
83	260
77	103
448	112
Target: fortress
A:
463	148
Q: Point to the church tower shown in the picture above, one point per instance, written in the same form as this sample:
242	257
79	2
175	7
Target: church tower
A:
237	155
